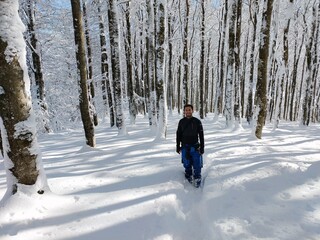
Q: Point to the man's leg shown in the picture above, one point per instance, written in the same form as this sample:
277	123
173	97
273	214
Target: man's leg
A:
187	163
197	165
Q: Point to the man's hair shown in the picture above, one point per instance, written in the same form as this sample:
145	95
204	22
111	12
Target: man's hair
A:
187	105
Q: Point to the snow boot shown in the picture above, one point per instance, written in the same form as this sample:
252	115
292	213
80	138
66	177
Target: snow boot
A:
188	177
197	182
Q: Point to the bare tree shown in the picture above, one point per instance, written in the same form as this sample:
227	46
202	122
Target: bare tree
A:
238	90
296	59
90	67
185	54
115	65
35	64
161	77
129	64
105	81
151	71
82	68
230	74
221	60
311	61
261	88
254	9
202	66
170	93
18	133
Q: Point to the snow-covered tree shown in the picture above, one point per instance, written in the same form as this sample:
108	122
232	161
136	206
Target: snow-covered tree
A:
83	75
34	63
262	79
115	64
230	74
21	151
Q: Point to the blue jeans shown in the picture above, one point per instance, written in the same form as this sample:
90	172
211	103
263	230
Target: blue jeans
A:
192	161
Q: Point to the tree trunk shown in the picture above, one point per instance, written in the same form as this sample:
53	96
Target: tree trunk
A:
243	81
296	60
254	5
311	60
21	152
128	49
230	74
82	68
162	73
115	65
221	60
261	88
151	63
170	93
36	67
202	66
90	68
185	55
105	83
237	97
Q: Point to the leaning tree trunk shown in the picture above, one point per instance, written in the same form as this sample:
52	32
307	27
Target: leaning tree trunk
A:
18	132
261	88
82	68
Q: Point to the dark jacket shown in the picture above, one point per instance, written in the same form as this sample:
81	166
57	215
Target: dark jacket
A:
190	131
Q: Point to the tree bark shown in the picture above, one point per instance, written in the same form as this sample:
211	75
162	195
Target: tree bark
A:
17	126
128	49
261	88
82	68
202	66
115	65
185	55
237	97
90	67
254	4
105	81
161	81
36	67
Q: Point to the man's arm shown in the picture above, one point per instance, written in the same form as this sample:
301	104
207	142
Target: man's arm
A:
178	138
201	137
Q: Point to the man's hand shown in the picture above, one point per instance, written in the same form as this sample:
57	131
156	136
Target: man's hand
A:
201	151
178	149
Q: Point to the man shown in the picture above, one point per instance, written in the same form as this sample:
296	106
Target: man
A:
189	133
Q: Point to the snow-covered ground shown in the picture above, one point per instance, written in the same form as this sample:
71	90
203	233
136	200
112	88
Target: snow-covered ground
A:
132	187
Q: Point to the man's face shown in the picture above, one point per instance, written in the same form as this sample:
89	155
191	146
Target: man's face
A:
188	112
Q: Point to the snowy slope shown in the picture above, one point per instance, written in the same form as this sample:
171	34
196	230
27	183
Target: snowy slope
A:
132	187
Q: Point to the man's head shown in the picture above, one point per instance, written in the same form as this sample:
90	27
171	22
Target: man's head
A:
188	110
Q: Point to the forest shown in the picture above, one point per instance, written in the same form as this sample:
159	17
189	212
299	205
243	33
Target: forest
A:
96	62
95	89
256	60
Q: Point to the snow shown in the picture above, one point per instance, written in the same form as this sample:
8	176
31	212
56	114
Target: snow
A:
132	187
